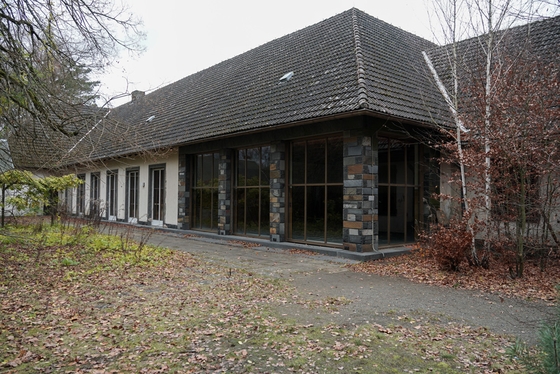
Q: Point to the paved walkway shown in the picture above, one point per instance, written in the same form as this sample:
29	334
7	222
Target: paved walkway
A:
373	298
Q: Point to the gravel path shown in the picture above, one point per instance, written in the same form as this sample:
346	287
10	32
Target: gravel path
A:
372	298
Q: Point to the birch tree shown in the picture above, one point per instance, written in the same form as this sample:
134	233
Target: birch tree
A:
448	13
478	67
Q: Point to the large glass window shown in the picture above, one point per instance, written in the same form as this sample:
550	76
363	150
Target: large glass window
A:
205	192
316	190
398	191
252	191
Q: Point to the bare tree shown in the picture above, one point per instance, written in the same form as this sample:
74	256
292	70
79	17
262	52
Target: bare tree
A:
448	13
476	70
47	47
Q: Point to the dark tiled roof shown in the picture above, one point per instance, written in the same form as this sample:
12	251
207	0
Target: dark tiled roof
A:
35	145
350	62
537	41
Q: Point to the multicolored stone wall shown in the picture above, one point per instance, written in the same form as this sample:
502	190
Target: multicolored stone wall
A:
360	193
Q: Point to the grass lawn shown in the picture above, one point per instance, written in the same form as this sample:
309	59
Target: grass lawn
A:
73	300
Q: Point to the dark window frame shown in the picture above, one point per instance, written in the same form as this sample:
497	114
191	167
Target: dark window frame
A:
325	187
81	195
112	201
201	189
242	188
94	194
136	204
162	189
392	184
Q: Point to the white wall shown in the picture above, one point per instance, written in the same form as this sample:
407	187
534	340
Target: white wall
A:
171	162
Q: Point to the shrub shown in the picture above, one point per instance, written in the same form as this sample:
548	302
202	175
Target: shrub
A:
448	244
547	358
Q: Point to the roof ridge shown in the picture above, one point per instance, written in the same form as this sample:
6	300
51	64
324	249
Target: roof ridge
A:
363	101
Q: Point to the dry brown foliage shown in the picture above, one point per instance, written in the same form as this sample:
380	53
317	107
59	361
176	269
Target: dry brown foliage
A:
420	267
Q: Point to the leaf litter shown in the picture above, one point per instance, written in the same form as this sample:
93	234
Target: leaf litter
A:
169	311
537	283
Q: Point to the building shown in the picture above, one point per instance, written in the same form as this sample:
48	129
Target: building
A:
311	138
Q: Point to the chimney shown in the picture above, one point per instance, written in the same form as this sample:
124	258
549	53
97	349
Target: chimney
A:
136	95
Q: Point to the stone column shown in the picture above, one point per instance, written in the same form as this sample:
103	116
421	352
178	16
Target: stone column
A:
360	231
183	221
224	191
278	192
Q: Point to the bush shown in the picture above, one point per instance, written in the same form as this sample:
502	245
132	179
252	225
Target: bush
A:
448	244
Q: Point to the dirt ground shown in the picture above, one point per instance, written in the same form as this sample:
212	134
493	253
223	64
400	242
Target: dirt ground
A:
366	298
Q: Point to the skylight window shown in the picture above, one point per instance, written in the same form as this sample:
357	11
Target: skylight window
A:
150	119
286	77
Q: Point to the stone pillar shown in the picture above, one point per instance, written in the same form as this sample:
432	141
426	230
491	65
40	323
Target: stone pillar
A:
224	191
360	230
183	221
278	192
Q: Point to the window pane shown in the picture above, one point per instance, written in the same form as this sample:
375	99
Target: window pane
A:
298	163
241	168
410	215
265	166
197	201
215	170
253	166
240	212
398	169
265	212
207	168
316	161
383	161
398	201
133	194
112	193
214	221
199	179
316	213
158	184
81	194
410	164
334	214
335	157
253	200
383	214
206	209
298	212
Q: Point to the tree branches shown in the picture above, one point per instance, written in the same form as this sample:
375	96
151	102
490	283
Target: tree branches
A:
48	49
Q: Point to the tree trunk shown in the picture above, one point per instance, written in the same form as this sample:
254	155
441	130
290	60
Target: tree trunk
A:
521	224
3	203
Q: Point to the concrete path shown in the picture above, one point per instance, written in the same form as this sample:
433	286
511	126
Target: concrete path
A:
373	298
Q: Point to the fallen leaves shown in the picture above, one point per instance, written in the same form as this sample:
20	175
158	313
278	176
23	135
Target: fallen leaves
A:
535	284
182	314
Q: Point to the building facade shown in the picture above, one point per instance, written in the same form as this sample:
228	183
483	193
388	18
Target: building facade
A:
318	137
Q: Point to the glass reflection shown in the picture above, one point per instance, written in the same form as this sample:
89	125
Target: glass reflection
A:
252	191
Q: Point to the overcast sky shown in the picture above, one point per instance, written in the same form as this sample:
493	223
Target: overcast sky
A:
185	36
